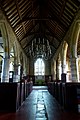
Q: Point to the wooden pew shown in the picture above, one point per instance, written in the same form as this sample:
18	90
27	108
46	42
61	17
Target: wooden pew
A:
71	96
9	97
60	97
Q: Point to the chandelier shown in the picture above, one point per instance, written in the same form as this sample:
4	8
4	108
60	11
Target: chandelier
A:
40	48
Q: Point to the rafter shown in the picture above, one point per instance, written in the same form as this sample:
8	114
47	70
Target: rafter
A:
19	13
28	32
39	33
24	19
51	32
29	42
51	42
56	18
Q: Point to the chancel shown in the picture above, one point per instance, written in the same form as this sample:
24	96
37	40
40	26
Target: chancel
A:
39	59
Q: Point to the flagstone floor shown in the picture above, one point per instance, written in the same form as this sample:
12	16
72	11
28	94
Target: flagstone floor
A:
40	105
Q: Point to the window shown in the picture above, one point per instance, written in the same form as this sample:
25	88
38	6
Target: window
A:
39	67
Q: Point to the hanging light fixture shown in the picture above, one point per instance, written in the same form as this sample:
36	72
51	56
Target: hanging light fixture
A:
40	48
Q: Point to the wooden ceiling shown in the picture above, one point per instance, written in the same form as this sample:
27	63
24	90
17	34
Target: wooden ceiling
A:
49	19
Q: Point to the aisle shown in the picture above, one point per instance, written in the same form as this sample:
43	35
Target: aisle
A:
40	105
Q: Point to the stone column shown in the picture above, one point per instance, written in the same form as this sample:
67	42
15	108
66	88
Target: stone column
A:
27	66
63	67
57	70
5	67
21	72
54	70
74	70
63	75
16	76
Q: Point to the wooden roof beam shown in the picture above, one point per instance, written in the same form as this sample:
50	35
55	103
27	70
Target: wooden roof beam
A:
28	32
20	15
29	42
23	20
52	32
56	18
39	33
51	44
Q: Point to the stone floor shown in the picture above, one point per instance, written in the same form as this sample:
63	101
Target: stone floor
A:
40	105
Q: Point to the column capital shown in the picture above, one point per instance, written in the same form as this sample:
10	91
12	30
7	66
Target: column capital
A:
17	65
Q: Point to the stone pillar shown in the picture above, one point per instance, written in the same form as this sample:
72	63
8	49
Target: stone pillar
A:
5	70
63	75
5	66
74	70
16	76
57	70
63	68
21	72
54	71
27	66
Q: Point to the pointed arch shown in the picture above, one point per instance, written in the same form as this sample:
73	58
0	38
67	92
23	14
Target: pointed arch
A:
74	39
5	37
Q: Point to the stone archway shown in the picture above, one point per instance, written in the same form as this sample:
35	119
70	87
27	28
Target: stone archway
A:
73	50
78	55
5	60
65	58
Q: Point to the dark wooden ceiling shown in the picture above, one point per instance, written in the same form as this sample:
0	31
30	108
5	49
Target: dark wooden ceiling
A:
49	19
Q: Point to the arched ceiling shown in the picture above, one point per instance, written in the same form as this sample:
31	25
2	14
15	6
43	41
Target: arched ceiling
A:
49	19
